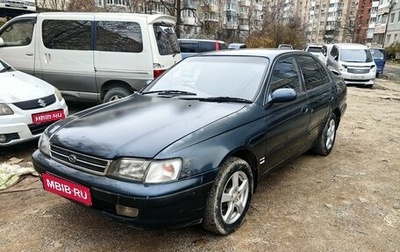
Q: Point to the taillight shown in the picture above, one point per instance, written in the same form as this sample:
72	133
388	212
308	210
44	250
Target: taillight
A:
216	46
157	70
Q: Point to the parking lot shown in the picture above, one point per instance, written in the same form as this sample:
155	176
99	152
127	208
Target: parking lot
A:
348	201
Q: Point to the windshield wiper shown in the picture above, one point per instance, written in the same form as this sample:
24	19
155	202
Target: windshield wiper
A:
169	92
222	99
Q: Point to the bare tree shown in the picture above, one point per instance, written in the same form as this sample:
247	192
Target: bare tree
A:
82	5
52	5
278	28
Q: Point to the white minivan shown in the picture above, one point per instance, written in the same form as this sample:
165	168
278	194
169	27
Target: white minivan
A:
91	56
354	62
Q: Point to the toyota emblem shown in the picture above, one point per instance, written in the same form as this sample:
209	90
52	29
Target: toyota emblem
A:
72	158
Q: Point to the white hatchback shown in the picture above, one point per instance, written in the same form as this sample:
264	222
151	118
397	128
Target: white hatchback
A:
27	105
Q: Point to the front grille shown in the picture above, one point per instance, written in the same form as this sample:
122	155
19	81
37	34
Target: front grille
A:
38	128
79	161
358	70
36	103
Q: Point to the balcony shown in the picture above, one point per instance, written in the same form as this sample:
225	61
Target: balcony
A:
244	3
258	17
371	25
231	25
331	19
243	15
328	36
244	27
329	27
373	15
189	20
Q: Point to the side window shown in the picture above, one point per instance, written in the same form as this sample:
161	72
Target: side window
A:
313	73
285	75
18	33
222	46
66	34
167	42
114	36
207	46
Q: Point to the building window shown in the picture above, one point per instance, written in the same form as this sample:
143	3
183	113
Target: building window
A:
392	18
388	38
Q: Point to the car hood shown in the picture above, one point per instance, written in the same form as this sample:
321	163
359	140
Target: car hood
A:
139	126
16	86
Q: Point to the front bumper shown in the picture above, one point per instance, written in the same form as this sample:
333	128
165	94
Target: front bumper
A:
19	127
172	205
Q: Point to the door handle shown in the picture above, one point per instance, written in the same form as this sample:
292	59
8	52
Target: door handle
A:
47	58
29	54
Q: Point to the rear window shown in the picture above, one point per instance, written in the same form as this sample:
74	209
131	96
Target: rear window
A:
314	49
167	42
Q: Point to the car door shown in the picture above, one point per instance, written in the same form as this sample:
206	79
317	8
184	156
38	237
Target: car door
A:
66	55
319	90
287	123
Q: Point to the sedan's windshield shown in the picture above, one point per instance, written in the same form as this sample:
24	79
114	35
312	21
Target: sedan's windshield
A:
356	55
214	76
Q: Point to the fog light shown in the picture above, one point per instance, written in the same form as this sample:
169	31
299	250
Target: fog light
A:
127	211
3	138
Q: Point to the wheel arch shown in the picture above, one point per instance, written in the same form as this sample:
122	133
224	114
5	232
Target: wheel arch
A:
108	85
251	159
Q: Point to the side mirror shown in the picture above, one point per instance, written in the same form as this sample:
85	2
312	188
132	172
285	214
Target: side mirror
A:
335	72
336	58
283	95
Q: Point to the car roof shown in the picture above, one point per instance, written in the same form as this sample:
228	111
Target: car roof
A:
261	52
350	46
203	40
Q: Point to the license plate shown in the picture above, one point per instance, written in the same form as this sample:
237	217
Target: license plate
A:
67	189
49	116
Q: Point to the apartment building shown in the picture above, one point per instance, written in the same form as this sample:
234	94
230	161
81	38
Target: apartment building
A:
393	26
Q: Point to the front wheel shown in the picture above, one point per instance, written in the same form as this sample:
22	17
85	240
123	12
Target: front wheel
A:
327	138
230	197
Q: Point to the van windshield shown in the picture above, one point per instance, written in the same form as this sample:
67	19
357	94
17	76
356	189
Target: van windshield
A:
167	42
356	55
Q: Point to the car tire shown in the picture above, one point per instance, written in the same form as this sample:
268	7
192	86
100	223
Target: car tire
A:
327	138
229	198
115	94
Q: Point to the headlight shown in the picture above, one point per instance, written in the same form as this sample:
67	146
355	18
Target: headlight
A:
5	109
58	95
163	171
146	171
44	143
129	168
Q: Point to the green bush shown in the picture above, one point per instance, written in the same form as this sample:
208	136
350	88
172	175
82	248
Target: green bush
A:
392	51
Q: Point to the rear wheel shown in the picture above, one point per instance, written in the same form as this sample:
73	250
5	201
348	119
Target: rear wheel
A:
115	94
327	138
230	197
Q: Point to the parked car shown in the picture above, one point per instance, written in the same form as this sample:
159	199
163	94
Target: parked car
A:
88	56
285	47
236	46
27	106
354	62
190	47
191	147
380	59
317	50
